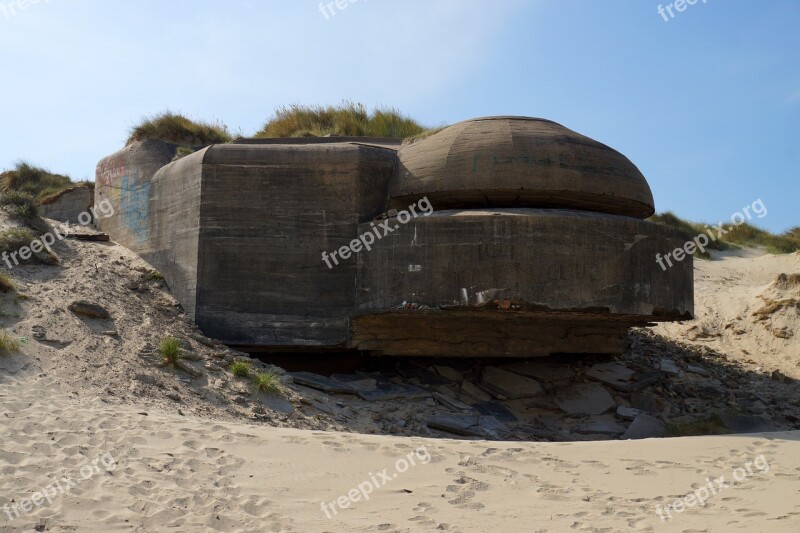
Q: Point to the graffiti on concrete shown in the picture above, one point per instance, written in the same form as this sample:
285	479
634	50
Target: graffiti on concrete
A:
134	201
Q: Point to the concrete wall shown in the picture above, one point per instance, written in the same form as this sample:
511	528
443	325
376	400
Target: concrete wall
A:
516	282
543	259
124	179
173	229
269	211
68	205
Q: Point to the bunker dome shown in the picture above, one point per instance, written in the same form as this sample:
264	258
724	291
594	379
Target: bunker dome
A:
536	242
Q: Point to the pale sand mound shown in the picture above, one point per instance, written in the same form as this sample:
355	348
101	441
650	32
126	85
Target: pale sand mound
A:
748	307
174	473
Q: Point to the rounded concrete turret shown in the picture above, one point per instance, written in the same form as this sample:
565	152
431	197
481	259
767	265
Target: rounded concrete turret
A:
519	162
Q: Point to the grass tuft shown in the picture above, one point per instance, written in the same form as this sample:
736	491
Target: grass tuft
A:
9	344
737	236
35	181
175	128
240	369
20	204
349	119
15	238
268	382
170	350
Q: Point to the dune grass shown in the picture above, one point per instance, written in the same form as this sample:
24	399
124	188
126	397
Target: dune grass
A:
8	344
267	382
240	369
170	350
737	236
21	205
175	128
36	182
15	238
348	119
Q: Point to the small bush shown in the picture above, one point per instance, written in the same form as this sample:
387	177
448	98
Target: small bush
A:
9	344
35	181
20	204
348	119
268	382
171	352
240	369
174	128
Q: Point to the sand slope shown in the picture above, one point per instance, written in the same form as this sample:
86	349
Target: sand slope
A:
728	293
185	473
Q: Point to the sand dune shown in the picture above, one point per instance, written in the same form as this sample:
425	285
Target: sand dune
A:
729	292
186	473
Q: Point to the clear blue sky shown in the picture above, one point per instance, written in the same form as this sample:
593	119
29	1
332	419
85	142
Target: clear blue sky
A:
707	104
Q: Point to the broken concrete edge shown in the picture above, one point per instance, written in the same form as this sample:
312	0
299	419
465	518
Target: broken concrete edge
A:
57	196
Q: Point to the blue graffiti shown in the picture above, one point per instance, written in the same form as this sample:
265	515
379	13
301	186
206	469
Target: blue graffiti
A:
134	203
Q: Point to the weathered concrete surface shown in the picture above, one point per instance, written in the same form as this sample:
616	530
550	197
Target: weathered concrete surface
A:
470	283
519	162
487	333
534	259
124	179
239	230
173	226
269	211
68	205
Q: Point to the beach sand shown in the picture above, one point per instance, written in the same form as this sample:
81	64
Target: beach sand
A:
185	473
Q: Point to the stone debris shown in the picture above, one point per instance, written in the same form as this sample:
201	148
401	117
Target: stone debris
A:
392	391
644	427
742	423
585	399
89	309
315	381
509	385
627	413
475	393
669	366
468	425
603	427
449	373
451	403
541	371
698	370
614	374
495	409
358	383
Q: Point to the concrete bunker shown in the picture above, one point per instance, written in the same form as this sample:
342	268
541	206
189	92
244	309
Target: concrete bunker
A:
536	243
